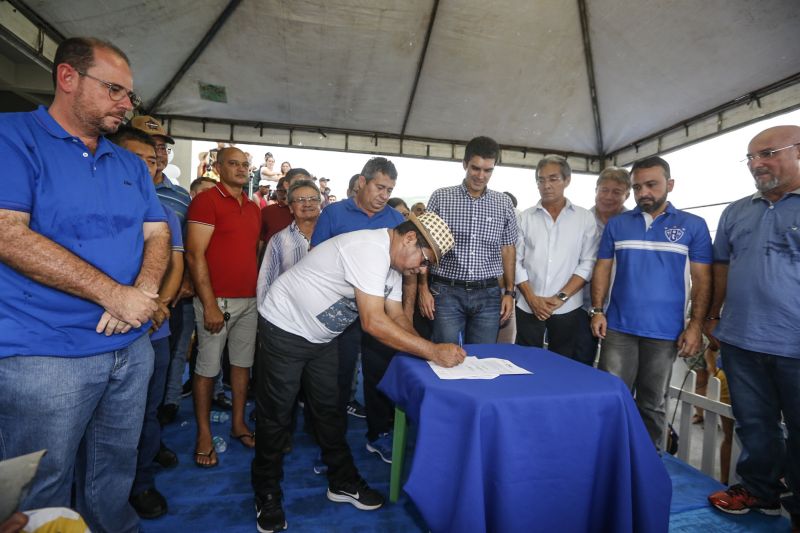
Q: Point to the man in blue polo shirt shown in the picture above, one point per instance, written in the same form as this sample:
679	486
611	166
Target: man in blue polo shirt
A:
79	275
757	278
368	209
655	251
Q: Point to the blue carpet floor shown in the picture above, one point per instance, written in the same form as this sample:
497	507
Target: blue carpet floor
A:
221	499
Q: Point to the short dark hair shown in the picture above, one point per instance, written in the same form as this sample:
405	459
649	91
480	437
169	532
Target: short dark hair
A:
78	52
406	226
295	171
484	147
299	184
394	202
379	164
127	133
650	162
513	198
197	181
280	182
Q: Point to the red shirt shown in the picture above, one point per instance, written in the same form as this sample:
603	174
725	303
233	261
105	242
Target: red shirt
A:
274	218
231	252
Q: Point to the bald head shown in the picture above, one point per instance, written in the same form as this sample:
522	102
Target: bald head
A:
774	160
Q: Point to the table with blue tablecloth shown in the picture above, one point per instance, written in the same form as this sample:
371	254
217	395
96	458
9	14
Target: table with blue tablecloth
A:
563	449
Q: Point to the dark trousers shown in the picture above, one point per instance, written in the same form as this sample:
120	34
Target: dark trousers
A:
285	362
375	359
586	342
562	332
348	346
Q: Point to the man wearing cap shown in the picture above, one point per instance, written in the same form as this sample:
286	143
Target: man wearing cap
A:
325	191
78	280
181	322
261	196
356	275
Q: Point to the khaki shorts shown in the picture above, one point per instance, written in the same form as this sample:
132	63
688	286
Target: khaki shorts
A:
239	332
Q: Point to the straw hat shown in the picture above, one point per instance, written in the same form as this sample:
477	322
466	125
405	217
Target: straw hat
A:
436	233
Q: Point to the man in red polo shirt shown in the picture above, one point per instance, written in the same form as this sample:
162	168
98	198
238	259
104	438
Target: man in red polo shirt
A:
221	249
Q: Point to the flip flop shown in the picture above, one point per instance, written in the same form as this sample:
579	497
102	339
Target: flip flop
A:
211	453
243	436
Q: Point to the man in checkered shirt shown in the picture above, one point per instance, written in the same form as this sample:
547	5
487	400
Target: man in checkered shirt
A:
471	291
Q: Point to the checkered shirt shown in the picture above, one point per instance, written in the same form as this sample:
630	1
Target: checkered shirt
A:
480	227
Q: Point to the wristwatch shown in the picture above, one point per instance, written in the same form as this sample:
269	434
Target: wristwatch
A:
596	311
563	296
512	293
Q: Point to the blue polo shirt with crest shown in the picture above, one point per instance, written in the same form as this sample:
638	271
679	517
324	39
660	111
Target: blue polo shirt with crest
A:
92	204
650	279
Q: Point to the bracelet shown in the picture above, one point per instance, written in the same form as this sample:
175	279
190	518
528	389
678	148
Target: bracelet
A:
712	318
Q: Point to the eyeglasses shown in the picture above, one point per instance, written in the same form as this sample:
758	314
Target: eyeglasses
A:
425	261
766	154
547	179
115	92
307	200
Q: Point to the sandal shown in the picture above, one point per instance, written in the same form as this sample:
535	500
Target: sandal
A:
212	453
240	438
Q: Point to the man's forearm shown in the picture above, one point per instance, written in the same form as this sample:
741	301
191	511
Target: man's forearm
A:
601	278
701	292
409	295
509	255
574	284
155	258
172	278
719	288
44	261
198	268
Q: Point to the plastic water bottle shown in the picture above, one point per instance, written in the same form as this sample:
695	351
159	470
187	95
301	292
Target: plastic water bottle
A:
220	417
219	444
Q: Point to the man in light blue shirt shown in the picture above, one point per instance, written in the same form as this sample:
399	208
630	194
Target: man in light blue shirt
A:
754	315
556	249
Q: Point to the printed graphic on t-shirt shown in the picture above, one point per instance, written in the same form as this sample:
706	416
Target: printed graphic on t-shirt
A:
339	315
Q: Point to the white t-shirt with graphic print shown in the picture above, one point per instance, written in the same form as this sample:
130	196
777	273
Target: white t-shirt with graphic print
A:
315	298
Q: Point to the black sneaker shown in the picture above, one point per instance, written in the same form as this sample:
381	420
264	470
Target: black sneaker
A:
354	408
222	402
269	514
358	493
186	389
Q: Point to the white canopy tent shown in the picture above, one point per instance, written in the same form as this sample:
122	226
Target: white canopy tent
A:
601	81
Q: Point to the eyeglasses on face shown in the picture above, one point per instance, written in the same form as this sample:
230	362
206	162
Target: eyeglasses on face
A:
115	92
766	154
306	200
547	179
425	261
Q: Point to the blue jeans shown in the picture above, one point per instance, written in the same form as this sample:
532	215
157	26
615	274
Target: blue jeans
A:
180	336
474	312
87	412
762	386
150	440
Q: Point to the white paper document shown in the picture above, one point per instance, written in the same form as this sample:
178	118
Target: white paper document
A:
474	368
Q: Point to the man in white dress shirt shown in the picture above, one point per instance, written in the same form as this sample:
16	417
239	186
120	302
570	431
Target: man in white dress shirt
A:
556	249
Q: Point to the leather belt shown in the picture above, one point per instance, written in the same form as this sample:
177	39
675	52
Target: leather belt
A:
468	285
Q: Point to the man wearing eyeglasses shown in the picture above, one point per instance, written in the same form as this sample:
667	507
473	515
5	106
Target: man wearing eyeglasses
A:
556	248
355	276
79	275
221	252
753	315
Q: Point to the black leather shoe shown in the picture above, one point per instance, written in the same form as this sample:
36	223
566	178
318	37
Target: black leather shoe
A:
149	504
223	402
167	413
166	457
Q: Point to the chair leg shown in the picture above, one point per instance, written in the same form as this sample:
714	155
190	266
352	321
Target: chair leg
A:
398	453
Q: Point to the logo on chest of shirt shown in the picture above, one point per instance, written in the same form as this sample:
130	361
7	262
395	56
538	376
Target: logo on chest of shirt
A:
674	233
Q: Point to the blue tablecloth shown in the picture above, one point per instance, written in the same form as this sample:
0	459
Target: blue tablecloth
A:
561	450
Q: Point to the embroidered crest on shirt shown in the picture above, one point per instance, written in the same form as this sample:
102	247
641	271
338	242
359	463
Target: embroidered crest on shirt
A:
674	233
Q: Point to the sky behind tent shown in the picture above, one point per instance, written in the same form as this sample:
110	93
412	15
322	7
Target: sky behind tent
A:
706	173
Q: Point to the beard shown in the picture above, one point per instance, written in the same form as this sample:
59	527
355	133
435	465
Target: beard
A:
93	119
768	185
654	206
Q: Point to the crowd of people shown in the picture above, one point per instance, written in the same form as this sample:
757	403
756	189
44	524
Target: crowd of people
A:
107	283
